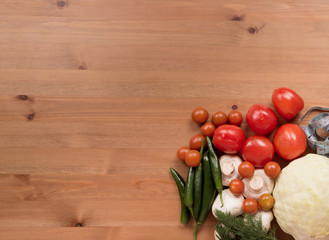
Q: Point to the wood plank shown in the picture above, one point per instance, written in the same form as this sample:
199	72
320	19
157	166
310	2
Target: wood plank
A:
168	10
106	233
182	84
167	58
54	200
219	32
103	110
88	161
108	128
116	84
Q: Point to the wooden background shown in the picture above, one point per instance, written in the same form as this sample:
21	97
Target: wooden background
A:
96	96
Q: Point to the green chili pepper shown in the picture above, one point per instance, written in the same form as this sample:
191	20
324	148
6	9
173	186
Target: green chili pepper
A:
198	187
208	193
189	188
197	191
188	195
185	213
215	169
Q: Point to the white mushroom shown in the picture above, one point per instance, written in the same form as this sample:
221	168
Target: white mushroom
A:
257	185
232	204
229	165
266	217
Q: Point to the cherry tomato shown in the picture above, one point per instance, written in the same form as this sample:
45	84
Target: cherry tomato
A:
287	102
266	201
289	141
192	158
208	129
261	119
219	118
236	186
272	169
200	115
228	138
246	170
250	205
181	152
258	150
196	142
235	118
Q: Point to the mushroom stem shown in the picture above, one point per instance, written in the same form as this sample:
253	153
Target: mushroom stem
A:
256	184
259	184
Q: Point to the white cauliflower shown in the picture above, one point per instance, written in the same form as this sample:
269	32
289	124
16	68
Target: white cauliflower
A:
302	198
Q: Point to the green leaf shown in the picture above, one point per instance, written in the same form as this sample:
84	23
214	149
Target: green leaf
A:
247	228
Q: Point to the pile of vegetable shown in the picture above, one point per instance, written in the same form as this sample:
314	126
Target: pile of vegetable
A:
243	173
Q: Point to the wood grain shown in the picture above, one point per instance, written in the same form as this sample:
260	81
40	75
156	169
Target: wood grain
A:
96	96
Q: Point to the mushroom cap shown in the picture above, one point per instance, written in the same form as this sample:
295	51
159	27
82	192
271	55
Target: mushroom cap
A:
232	204
257	185
229	165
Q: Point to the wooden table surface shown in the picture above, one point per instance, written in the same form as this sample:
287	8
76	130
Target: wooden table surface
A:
96	97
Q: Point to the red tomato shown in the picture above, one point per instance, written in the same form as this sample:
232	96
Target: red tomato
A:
289	141
261	119
228	138
250	205
235	118
181	152
287	102
192	158
196	141
236	186
219	118
266	201
272	169
208	129
258	150
246	170
200	115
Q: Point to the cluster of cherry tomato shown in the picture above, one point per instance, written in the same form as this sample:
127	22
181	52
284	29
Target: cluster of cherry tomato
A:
191	155
246	170
289	140
265	202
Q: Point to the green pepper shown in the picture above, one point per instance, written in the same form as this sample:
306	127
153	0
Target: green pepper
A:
208	192
215	169
185	213
197	191
188	195
198	187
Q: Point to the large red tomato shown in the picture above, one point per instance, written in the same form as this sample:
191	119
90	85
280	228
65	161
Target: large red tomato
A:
289	141
228	138
261	119
258	150
287	102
